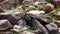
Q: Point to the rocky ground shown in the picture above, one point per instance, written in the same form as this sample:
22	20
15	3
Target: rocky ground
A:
30	17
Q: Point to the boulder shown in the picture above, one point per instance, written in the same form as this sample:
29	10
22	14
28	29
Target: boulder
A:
5	24
48	7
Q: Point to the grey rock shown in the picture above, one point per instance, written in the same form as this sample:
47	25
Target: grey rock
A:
22	23
5	24
53	28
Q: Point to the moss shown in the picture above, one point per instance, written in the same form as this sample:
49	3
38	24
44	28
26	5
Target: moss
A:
48	0
57	9
15	33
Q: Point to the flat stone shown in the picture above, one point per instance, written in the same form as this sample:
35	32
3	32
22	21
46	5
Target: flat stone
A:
36	12
5	24
52	26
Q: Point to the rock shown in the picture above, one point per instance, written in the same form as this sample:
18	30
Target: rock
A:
1	1
36	3
27	32
7	4
44	20
31	7
13	18
17	28
13	3
38	25
55	2
11	12
22	23
39	2
1	10
38	31
59	29
36	12
53	28
20	26
18	16
9	17
58	13
48	7
4	24
58	23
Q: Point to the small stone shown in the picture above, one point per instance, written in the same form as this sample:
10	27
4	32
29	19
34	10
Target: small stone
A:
58	13
17	28
48	7
20	26
59	30
22	23
55	2
27	32
31	7
38	31
36	3
36	12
